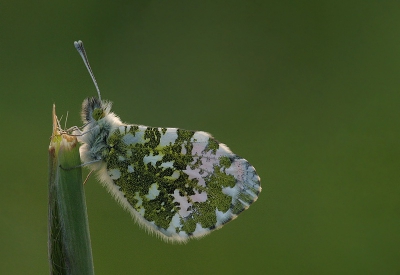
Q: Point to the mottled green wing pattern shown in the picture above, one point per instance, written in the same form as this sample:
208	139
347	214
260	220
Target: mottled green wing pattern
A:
177	183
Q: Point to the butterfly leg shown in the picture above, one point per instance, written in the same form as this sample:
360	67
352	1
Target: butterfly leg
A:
87	177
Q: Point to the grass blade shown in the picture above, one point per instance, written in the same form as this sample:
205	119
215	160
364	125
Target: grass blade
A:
68	228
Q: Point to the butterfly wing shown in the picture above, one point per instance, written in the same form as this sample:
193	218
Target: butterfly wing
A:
177	183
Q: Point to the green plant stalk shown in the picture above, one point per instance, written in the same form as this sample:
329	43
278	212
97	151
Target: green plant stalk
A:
69	245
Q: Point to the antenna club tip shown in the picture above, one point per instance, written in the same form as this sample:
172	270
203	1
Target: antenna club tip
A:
78	44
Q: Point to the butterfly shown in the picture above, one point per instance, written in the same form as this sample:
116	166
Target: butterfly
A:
178	184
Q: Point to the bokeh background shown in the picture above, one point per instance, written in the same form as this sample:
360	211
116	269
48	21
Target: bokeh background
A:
307	91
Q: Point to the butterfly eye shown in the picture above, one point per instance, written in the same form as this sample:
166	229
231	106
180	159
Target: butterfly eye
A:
98	114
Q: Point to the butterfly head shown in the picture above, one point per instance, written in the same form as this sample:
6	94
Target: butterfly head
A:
94	109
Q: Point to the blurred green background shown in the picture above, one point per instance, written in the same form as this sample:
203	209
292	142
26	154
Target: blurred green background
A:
307	91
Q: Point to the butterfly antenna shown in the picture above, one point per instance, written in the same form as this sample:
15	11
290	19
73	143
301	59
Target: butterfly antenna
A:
65	123
79	47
